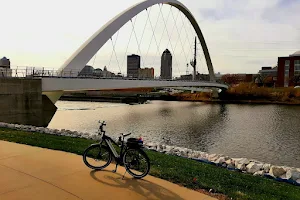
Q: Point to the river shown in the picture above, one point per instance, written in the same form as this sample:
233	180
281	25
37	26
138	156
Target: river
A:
268	133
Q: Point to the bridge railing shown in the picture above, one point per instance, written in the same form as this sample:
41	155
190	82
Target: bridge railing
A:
41	72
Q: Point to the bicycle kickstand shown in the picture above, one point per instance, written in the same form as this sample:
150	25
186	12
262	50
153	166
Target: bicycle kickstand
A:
115	170
124	175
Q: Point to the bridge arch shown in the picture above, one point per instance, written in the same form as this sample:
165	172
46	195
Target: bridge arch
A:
87	50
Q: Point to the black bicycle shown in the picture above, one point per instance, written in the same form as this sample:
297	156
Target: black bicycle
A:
98	156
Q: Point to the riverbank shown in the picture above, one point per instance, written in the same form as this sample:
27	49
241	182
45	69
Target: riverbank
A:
246	94
182	171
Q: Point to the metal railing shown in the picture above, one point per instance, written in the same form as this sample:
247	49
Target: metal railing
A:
41	72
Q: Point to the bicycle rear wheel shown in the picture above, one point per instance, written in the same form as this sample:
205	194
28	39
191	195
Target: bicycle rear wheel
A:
97	157
136	163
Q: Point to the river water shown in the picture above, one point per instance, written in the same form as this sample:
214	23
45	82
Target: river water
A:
268	133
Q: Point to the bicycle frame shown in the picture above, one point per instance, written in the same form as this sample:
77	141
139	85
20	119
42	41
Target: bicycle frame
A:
109	142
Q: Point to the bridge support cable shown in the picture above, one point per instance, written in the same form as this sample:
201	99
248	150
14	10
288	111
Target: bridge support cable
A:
125	55
200	56
113	45
116	57
163	32
179	39
169	42
145	26
153	33
87	50
186	32
165	28
178	32
139	49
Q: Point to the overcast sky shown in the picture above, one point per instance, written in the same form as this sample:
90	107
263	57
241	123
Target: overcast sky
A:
242	35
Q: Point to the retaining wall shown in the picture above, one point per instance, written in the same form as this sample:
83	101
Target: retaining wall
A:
22	102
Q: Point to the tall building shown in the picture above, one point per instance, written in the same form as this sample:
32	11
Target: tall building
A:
288	68
133	65
166	65
146	73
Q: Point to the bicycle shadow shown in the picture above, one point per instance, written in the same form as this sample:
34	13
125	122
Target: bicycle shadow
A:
143	187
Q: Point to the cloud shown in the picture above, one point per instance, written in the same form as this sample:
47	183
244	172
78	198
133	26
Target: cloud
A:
242	35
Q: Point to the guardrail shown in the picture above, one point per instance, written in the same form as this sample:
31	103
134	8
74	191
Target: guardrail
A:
40	72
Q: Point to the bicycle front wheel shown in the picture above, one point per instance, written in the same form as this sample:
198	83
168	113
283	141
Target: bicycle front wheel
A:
136	163
97	157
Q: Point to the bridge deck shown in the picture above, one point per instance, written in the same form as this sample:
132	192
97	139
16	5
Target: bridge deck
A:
77	84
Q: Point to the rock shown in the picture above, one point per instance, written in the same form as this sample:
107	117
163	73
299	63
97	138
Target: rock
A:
242	161
11	126
229	162
196	154
266	168
241	166
168	148
175	151
277	171
150	144
183	153
252	167
160	147
191	154
292	174
259	173
213	157
220	160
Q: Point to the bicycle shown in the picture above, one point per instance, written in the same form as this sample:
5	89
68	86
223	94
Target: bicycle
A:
134	159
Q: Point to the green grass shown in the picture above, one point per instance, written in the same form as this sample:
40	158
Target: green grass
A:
175	169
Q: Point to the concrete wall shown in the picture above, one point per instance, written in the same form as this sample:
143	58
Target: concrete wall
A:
22	102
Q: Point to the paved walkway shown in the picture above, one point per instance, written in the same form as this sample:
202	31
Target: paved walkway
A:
34	173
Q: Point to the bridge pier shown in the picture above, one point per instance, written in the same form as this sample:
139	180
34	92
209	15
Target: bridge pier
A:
22	102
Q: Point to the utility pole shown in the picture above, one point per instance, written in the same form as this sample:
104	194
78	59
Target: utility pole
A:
194	62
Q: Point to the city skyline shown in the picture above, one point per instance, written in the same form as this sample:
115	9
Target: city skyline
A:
230	30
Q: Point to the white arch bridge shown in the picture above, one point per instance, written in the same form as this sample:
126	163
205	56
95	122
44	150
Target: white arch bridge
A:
54	87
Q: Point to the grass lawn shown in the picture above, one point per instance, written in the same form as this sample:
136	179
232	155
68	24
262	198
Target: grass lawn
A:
178	170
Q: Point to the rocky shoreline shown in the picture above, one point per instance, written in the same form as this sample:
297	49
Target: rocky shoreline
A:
280	173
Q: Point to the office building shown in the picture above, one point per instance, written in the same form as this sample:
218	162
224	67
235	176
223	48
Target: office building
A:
288	68
146	73
166	65
133	66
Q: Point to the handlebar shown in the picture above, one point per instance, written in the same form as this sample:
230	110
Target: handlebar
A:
102	123
101	126
126	134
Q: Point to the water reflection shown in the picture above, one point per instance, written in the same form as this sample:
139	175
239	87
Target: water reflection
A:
264	132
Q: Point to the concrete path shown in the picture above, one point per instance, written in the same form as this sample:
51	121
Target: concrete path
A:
35	173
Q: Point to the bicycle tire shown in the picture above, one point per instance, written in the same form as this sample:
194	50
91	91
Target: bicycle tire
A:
128	165
96	147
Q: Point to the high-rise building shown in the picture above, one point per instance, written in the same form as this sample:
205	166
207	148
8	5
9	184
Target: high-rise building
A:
146	73
133	65
166	65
